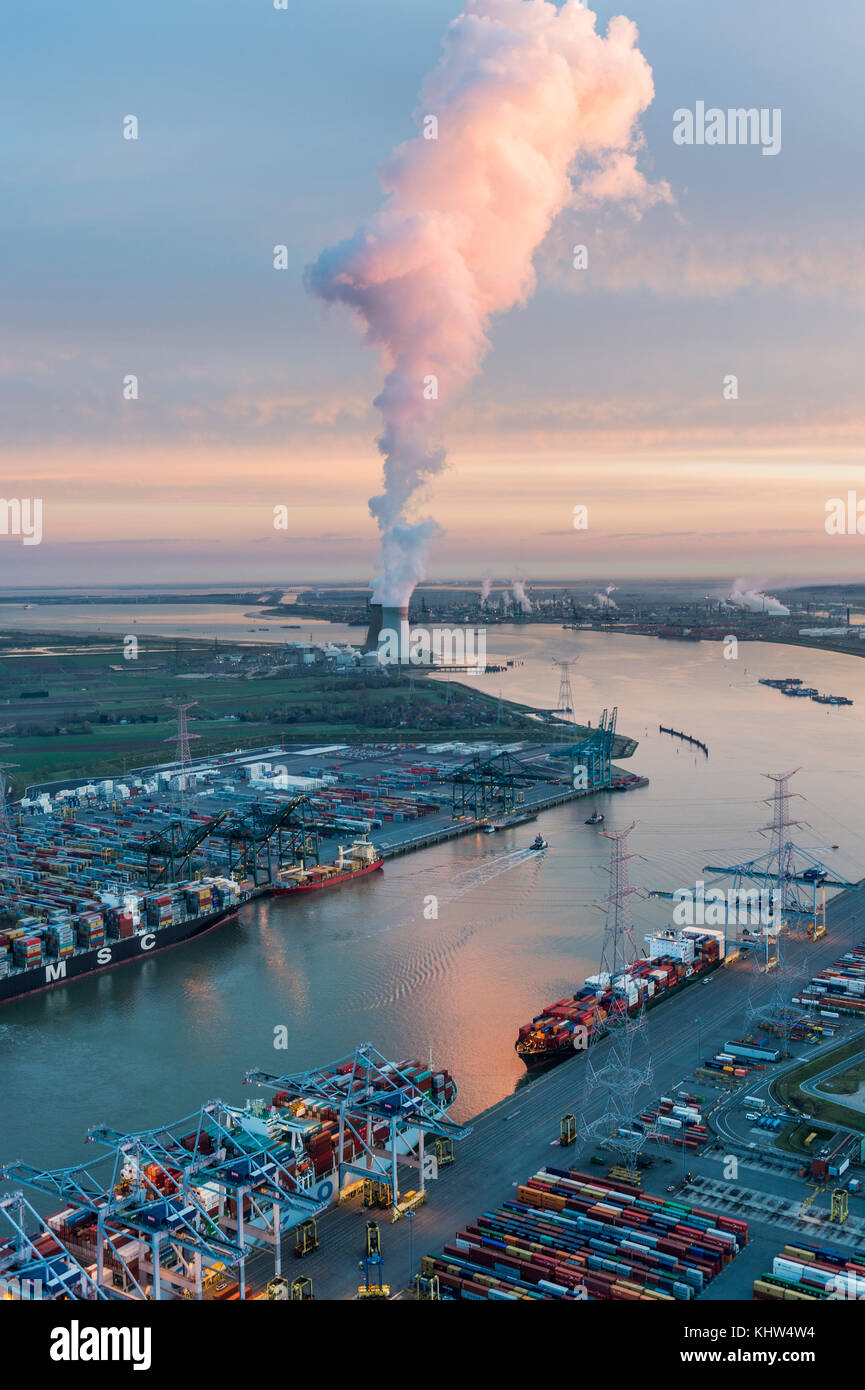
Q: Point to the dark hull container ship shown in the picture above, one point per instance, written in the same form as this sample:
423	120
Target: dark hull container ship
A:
569	1025
38	956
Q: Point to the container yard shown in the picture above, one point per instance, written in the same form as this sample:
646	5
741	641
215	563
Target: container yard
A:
566	1226
101	873
813	1273
571	1236
839	989
301	1170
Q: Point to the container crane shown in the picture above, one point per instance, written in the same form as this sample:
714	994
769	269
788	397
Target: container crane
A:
174	848
248	838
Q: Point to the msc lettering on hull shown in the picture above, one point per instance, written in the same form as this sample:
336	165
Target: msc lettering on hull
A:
56	970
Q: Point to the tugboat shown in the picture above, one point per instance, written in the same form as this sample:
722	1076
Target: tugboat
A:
489	830
596	818
539	843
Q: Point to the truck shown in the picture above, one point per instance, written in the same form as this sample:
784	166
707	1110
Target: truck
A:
755	1052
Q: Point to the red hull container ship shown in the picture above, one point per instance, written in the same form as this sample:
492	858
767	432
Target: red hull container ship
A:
567	1026
362	859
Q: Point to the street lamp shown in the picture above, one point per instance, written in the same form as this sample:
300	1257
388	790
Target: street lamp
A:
410	1218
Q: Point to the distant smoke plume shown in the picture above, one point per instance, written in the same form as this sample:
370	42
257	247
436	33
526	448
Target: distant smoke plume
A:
525	96
521	598
755	602
603	600
485	592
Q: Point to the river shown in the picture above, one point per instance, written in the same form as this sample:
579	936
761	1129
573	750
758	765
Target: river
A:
148	1043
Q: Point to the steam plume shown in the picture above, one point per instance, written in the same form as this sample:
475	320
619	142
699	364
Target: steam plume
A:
525	96
485	591
755	602
603	600
521	598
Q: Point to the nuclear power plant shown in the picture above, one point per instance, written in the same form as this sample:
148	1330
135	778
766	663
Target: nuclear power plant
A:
374	629
388	625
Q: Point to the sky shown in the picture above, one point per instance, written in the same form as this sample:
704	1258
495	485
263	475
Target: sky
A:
261	127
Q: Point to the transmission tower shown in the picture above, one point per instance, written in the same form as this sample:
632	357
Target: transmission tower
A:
795	877
182	756
778	1013
619	949
565	698
614	1084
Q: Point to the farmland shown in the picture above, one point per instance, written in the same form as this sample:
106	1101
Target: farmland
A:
73	706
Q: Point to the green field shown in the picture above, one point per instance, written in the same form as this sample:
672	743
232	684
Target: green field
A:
846	1083
101	715
788	1088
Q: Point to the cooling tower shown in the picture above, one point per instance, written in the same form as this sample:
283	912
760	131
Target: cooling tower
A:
395	631
372	632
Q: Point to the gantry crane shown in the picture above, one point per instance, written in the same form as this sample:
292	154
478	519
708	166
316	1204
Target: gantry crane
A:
487	786
296	839
169	851
164	1209
369	1094
26	1272
593	753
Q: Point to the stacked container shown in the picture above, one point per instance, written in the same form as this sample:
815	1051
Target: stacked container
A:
90	930
27	952
570	1236
814	1272
60	940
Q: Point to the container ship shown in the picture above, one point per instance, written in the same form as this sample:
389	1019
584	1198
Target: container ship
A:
678	959
36	955
362	859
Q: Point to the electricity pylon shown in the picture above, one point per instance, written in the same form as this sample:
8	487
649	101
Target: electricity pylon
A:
182	756
614	1084
565	698
778	1012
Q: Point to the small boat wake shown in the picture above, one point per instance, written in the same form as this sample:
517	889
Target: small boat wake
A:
428	959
